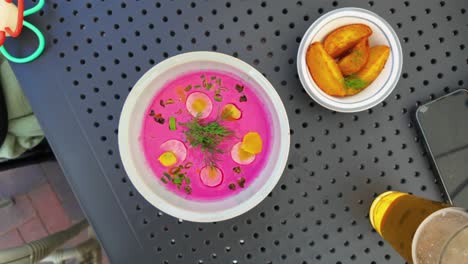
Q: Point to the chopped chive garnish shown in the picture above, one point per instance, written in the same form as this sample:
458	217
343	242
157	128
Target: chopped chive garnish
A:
159	119
197	86
172	123
177	180
243	98
188	88
213	77
218	98
239	88
174	170
241	182
232	186
167	176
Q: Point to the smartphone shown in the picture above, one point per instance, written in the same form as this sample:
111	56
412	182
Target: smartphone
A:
444	126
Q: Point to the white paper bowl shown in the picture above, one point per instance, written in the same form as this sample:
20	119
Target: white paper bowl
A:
139	171
383	34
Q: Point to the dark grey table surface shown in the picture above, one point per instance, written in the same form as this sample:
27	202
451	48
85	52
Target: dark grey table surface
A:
318	213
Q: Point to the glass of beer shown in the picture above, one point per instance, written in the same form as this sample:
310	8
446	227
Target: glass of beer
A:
442	238
396	216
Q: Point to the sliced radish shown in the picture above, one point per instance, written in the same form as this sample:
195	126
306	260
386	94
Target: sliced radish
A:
177	147
241	156
199	105
211	176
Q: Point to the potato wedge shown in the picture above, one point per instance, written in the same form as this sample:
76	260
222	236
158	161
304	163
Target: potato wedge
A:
356	59
344	38
324	70
378	56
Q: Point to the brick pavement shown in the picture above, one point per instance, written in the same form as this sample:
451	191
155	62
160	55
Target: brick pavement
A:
43	205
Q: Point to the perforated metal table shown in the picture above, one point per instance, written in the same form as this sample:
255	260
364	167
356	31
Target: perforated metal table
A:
97	50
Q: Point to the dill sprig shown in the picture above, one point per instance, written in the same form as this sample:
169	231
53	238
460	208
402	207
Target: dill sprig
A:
206	136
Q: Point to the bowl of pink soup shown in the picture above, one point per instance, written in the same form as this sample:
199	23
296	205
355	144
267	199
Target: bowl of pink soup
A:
204	136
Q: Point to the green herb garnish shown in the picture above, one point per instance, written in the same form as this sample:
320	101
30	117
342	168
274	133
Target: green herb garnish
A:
239	88
207	137
172	123
236	169
168	176
241	182
354	82
177	180
176	176
218	97
188	88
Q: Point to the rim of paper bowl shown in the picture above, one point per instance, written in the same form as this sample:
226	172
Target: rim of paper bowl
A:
383	90
131	164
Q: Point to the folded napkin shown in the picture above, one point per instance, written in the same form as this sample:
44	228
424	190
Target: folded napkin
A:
24	131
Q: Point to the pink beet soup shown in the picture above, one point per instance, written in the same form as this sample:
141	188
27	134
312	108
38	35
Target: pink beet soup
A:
206	135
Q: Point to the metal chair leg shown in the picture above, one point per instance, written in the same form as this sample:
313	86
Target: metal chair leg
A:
37	250
88	252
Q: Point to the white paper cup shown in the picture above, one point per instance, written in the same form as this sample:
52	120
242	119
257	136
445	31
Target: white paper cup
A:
383	34
140	173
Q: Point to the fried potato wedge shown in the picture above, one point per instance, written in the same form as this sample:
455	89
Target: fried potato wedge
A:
344	38
324	70
356	58
378	56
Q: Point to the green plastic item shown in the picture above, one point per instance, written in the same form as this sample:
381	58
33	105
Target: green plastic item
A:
40	37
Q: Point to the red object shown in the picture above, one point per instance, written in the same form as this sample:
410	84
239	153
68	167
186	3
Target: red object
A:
2	38
19	24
